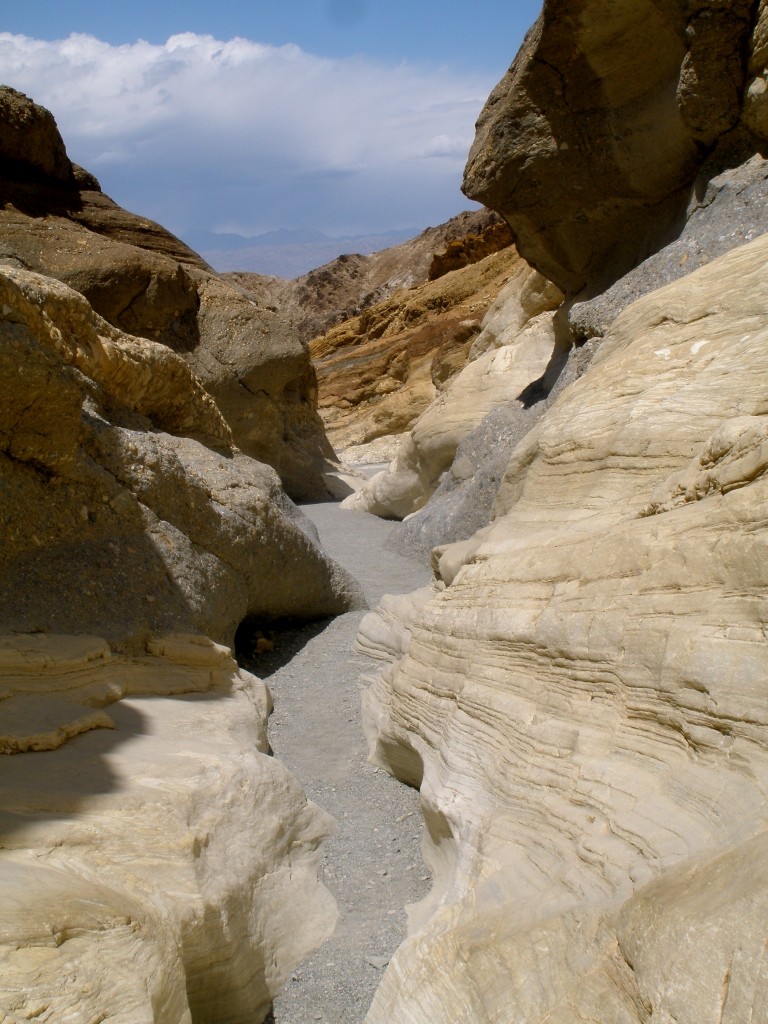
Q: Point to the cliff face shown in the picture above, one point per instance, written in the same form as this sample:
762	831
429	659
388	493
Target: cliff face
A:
55	221
379	371
591	143
155	863
581	694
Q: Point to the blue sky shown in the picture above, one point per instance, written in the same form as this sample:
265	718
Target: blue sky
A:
347	116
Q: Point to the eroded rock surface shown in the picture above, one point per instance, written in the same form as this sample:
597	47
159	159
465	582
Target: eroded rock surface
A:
379	371
350	284
116	520
149	871
590	145
56	221
516	357
582	699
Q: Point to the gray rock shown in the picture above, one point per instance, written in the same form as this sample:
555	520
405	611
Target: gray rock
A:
728	208
463	501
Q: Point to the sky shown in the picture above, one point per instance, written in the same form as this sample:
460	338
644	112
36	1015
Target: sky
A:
236	118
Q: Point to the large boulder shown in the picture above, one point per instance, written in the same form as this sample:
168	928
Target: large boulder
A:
581	695
591	143
126	510
56	221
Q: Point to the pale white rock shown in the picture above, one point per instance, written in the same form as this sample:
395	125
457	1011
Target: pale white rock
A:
163	869
584	703
514	349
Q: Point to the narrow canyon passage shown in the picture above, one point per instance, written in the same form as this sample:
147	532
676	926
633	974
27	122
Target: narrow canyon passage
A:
372	865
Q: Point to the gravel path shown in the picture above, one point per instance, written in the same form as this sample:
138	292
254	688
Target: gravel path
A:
373	864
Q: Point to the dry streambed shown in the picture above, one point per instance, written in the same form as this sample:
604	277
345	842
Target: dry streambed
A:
372	865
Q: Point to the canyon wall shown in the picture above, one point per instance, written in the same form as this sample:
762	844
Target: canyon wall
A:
156	864
56	221
580	696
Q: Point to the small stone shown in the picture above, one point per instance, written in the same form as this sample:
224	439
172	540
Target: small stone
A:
379	962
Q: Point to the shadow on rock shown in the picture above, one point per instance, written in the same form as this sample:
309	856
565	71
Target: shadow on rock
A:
263	646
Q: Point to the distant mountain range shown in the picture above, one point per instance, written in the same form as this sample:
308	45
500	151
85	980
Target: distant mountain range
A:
288	253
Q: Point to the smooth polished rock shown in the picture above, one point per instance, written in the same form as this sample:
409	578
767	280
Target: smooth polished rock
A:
163	868
583	703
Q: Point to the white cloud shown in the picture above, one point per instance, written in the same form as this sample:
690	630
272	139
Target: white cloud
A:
199	132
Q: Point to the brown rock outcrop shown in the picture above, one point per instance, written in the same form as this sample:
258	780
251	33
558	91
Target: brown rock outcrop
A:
590	145
116	519
581	697
162	867
350	284
55	221
379	371
516	351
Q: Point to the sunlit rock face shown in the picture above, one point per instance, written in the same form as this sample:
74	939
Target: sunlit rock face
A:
591	143
127	511
380	368
516	346
55	220
155	864
582	696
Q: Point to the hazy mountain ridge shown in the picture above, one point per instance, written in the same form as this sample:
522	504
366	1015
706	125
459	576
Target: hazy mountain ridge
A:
289	253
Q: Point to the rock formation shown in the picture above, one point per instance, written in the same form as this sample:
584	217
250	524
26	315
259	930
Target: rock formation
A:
148	873
379	371
155	863
583	702
612	108
580	695
350	284
55	221
629	229
126	509
517	346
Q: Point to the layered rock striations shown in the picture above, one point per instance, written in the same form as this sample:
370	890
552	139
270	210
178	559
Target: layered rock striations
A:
56	221
583	704
581	694
516	354
576	149
379	371
350	284
155	863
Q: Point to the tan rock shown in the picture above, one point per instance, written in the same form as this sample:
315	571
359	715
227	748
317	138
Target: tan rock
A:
378	371
516	345
583	703
156	870
115	520
147	283
590	145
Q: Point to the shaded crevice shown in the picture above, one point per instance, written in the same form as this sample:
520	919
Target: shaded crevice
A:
264	645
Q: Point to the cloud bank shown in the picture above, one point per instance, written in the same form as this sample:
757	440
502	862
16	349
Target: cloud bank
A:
236	136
